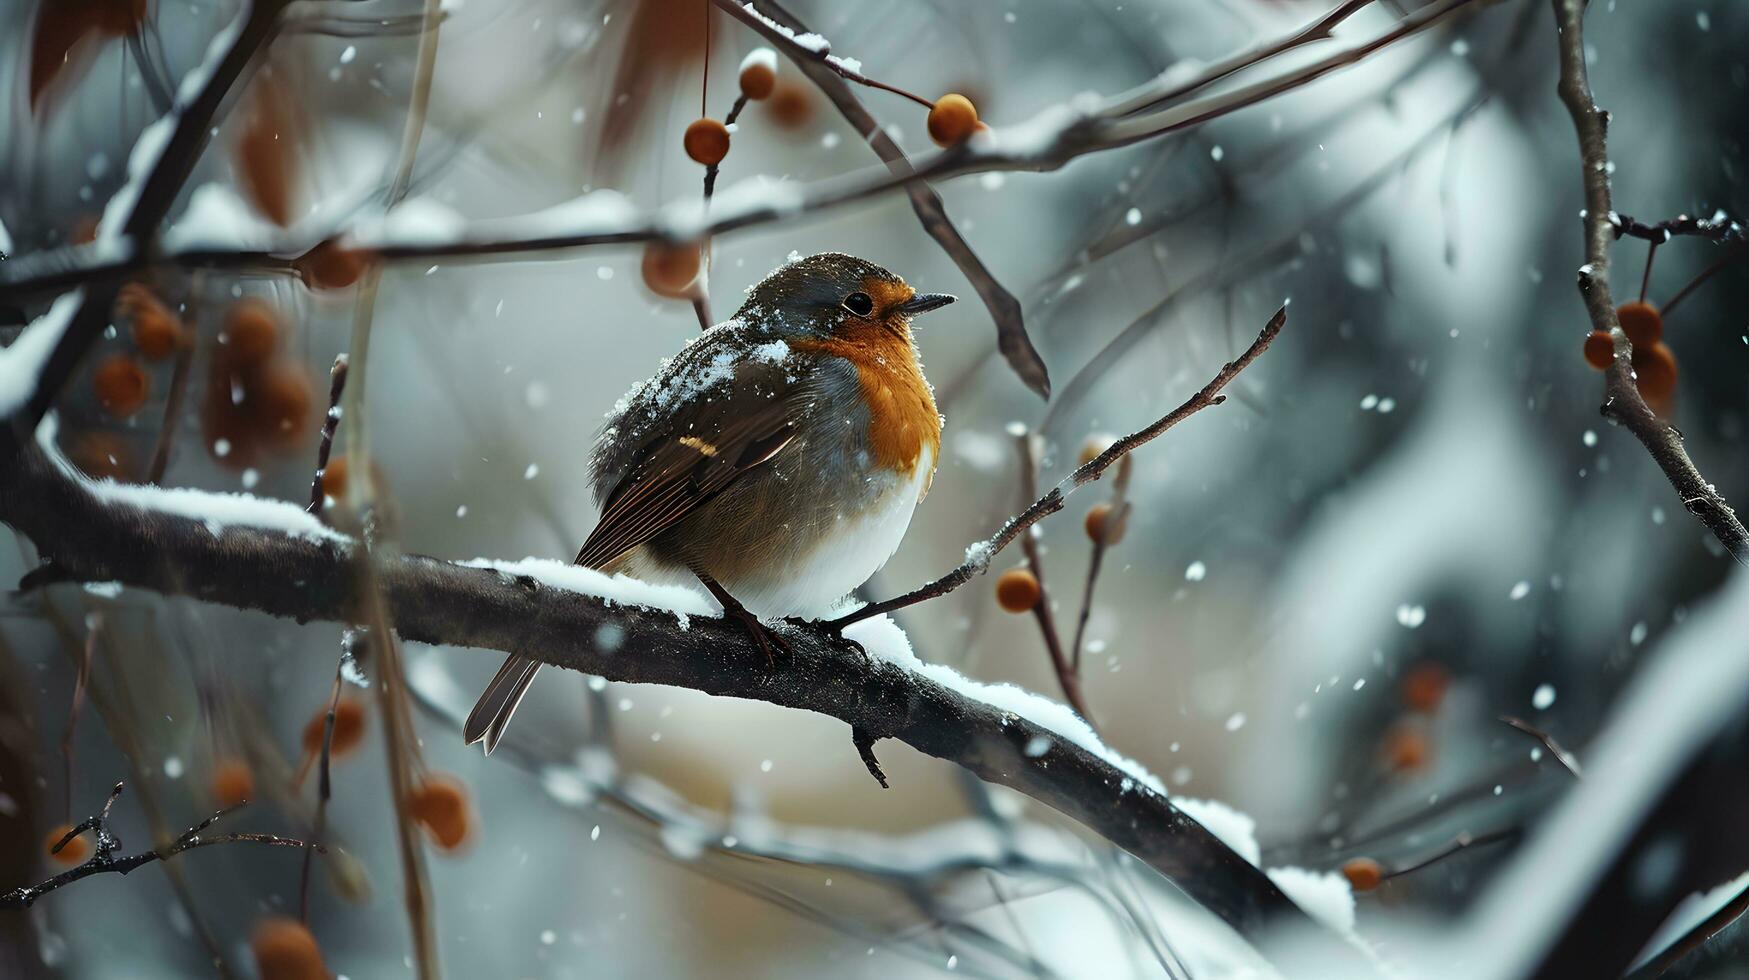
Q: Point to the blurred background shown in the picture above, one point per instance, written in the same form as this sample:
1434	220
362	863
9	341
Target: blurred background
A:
1409	519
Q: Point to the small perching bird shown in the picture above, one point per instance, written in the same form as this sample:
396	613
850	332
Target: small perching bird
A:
776	459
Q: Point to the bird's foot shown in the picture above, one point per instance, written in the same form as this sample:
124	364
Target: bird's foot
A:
831	629
770	642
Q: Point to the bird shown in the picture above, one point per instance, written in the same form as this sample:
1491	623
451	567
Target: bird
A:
776	459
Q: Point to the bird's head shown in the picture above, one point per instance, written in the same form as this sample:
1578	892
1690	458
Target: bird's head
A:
833	294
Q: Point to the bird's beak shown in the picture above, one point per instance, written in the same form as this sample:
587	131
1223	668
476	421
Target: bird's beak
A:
924	302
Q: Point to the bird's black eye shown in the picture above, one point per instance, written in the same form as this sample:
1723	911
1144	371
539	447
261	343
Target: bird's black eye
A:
859	304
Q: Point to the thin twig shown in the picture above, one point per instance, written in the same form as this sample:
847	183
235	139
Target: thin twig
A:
1622	402
81	681
330	422
1567	759
324	777
103	857
1067	677
172	412
978	556
1116	519
1462	842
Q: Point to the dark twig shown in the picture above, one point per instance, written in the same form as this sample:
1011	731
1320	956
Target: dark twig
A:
324	777
1718	228
864	743
978	556
1736	252
1067	677
103	857
1622	402
330	422
1567	759
1462	842
828	74
172	412
1117	518
81	681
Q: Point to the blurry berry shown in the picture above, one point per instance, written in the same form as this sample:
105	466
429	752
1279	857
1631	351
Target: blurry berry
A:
1599	349
122	385
349	721
334	478
1655	372
440	806
232	782
330	266
76	851
284	949
1099	524
670	270
1406	749
1017	590
1641	322
1363	874
707	141
759	74
952	119
250	333
1424	686
792	104
280	399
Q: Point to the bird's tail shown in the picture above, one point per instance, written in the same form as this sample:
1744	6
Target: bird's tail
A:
491	714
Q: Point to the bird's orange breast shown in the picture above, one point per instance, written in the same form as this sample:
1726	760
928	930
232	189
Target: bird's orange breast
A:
903	420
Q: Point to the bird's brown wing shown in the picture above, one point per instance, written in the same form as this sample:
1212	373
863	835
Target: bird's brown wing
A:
703	447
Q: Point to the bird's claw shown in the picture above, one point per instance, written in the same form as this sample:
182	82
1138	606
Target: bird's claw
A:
832	632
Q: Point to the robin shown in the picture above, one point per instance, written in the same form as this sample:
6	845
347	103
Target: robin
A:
776	459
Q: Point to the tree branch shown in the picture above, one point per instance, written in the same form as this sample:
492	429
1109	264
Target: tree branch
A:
1622	402
309	577
978	556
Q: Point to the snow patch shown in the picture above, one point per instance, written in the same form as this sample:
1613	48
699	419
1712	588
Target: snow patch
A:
681	601
22	363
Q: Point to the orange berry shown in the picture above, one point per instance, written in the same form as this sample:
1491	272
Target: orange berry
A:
440	805
759	74
156	334
122	385
1599	349
706	141
952	119
1655	372
76	851
232	782
1363	873
1406	748
1641	322
1099	525
792	104
280	399
250	334
1017	590
349	721
671	270
1424	686
285	950
84	231
329	266
334	478
264	150
1095	444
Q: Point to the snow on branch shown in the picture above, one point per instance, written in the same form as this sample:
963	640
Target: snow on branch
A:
1001	733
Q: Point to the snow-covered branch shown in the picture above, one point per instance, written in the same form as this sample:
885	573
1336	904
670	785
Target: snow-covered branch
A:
253	554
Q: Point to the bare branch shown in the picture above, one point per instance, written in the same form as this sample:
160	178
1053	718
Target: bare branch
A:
431	601
1622	402
103	859
978	556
